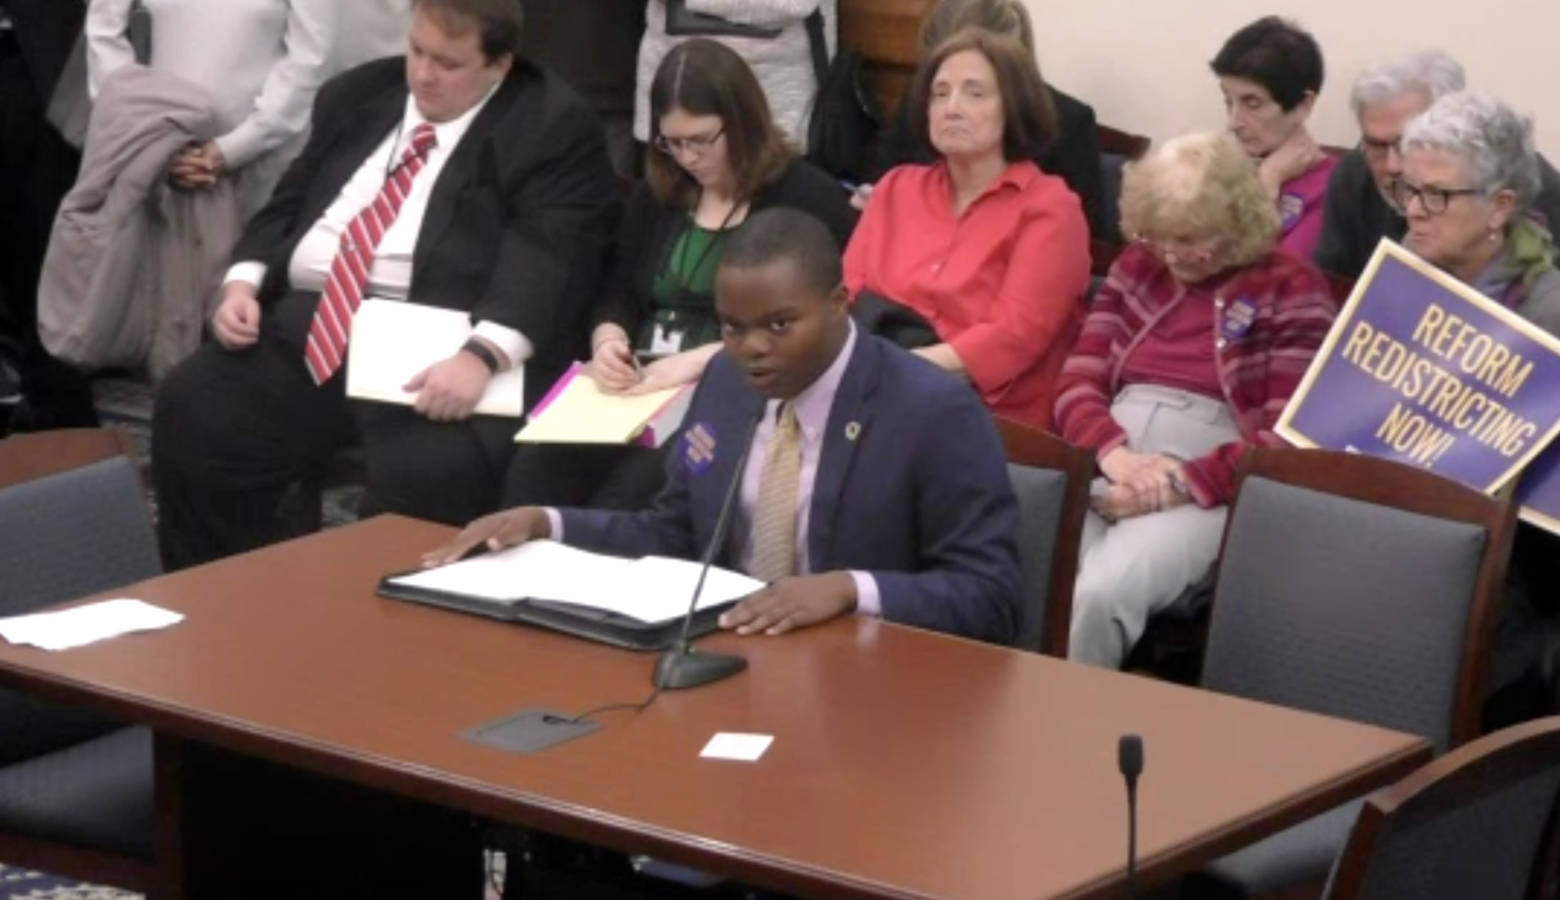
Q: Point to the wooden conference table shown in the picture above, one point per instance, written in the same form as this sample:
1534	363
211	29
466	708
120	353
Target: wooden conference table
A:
905	763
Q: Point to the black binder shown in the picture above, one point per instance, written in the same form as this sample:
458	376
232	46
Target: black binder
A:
586	622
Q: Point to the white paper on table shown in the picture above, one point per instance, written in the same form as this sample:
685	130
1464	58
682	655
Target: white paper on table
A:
734	745
393	340
543	570
658	588
650	589
86	624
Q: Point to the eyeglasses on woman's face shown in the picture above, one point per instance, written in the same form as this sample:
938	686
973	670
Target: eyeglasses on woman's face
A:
1434	200
695	144
1191	249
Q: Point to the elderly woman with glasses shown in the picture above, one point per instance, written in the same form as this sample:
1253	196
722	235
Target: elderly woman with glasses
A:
1468	183
1470	176
1361	208
717	158
1191	349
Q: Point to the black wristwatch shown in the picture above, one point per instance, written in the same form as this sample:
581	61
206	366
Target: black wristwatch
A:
480	351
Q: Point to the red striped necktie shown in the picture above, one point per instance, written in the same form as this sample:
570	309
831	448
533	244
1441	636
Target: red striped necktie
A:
348	281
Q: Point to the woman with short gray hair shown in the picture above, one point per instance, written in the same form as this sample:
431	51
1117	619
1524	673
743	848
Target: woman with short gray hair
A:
1470	176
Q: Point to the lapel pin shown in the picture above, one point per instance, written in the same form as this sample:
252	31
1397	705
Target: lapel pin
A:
698	448
852	431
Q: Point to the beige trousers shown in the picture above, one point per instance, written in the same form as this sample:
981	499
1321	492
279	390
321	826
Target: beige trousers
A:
1130	569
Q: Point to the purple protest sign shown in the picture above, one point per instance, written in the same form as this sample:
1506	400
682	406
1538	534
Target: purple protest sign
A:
1422	369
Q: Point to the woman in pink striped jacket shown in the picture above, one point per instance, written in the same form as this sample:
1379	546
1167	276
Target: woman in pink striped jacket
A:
1191	349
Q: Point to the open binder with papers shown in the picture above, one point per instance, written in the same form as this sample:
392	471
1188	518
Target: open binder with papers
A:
634	603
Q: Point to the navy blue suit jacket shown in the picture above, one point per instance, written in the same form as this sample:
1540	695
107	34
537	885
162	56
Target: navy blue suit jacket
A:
912	487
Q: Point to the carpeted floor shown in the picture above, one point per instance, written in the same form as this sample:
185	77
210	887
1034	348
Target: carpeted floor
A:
22	884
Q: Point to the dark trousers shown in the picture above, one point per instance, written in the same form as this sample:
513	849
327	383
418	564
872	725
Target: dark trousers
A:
37	168
240	440
601	476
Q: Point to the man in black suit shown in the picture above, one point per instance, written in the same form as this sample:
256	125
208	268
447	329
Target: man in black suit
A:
463	177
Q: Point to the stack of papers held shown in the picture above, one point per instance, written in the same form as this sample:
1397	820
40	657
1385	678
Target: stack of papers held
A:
86	624
392	341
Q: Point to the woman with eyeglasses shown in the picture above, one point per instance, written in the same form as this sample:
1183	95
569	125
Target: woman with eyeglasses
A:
1192	347
716	157
1470	176
987	255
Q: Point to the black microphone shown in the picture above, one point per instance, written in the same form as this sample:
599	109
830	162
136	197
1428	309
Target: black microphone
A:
1129	759
682	666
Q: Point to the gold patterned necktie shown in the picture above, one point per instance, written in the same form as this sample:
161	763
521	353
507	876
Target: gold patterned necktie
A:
774	521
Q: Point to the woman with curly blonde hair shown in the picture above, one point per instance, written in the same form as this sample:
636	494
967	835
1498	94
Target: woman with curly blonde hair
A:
1191	349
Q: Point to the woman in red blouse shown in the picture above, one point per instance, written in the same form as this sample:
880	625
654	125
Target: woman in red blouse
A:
1201	332
988	249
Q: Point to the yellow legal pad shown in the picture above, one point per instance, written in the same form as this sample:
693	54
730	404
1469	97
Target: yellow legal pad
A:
576	411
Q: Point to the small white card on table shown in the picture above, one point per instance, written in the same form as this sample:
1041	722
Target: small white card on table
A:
736	746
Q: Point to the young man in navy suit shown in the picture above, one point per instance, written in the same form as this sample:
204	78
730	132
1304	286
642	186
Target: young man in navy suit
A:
884	475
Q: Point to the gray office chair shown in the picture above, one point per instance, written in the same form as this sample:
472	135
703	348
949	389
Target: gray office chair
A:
76	791
1359	588
1478	822
1051	479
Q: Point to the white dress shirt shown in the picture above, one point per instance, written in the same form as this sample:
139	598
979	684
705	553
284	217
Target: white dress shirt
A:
391	275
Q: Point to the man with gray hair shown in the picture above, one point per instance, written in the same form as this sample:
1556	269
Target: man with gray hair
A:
1360	209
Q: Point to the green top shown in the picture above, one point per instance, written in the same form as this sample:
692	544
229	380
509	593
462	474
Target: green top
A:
683	291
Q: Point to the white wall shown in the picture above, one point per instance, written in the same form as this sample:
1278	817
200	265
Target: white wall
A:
1143	64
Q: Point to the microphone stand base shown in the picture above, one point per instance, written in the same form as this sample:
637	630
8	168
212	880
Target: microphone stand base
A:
689	668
